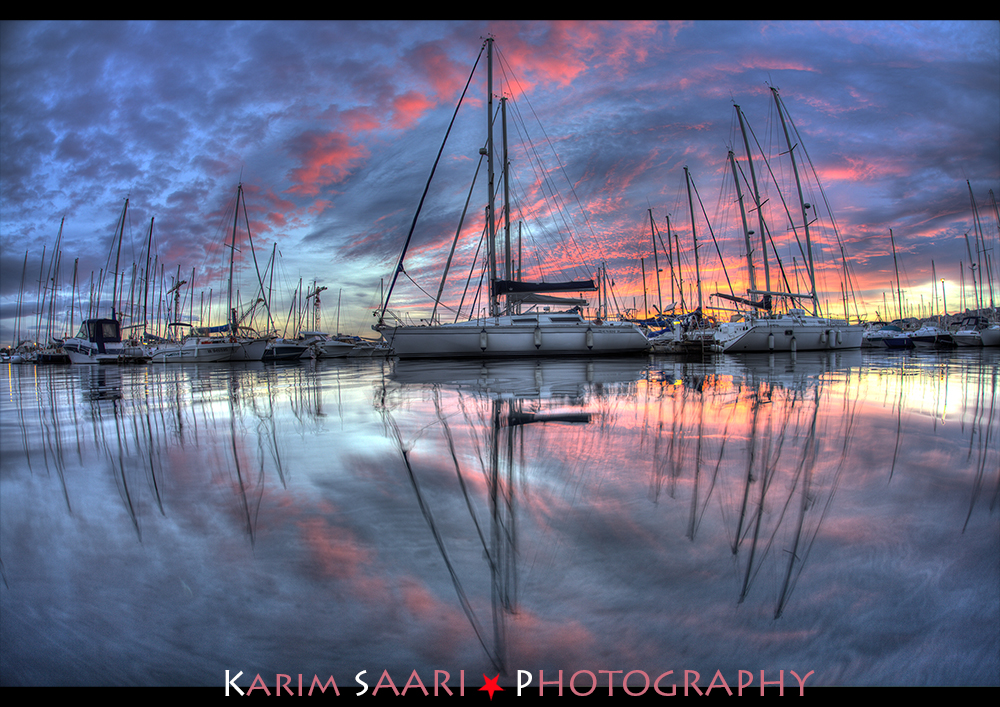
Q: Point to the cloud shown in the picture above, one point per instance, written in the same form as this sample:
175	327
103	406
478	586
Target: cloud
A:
323	160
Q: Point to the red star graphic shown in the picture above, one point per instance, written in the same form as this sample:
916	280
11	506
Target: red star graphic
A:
491	685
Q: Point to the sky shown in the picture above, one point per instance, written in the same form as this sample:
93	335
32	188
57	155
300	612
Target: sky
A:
332	128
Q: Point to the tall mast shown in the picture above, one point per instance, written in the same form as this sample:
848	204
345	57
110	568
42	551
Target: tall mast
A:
933	288
680	273
232	254
899	291
72	298
145	295
508	263
39	295
697	267
20	300
802	203
746	230
981	248
490	220
51	278
673	256
972	269
114	289
656	264
756	200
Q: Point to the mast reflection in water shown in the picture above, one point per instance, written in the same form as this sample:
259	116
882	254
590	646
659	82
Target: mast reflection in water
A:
834	513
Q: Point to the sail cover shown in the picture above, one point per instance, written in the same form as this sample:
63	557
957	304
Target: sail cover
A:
506	287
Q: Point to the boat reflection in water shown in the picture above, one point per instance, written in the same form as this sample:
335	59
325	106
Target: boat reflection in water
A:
831	512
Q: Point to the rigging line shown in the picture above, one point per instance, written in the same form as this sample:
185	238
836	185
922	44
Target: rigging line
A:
829	211
454	244
759	205
260	280
558	211
714	239
439	540
429	295
472	269
413	224
562	212
562	168
461	479
781	198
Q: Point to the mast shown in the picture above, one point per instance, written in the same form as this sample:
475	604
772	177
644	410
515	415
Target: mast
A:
680	273
899	291
72	298
671	259
934	286
519	253
980	235
756	199
191	300
508	262
145	294
656	265
114	290
39	302
972	269
20	300
802	203
52	277
746	229
230	314
697	267
645	302
490	217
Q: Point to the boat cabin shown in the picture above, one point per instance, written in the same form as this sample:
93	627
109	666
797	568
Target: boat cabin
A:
100	332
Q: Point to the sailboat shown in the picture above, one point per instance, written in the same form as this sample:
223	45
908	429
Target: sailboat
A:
228	342
99	340
504	332
794	330
250	345
976	328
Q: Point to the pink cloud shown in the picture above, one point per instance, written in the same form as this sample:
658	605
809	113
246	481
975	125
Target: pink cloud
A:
408	107
325	159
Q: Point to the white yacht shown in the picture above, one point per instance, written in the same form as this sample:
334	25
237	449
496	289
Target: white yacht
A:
504	332
792	331
535	334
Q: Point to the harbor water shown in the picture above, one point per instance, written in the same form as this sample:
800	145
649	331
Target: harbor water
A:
398	526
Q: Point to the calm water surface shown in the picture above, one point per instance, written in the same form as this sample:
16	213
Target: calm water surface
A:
834	513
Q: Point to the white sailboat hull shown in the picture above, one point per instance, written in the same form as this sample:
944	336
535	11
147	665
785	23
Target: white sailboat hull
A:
248	350
516	336
789	334
85	352
334	349
194	350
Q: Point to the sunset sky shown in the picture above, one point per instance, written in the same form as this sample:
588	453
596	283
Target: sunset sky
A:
333	127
